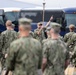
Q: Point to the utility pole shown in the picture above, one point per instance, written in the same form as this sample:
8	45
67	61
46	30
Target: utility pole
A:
43	10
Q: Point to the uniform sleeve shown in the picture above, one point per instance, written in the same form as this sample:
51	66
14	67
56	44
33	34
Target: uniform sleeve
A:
43	34
65	38
31	34
35	34
45	51
34	31
16	35
10	61
61	38
72	41
1	42
40	55
73	57
65	51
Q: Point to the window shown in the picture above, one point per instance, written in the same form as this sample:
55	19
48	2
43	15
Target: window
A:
13	16
1	20
36	16
70	19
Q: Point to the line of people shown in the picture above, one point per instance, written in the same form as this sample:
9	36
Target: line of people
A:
27	53
70	40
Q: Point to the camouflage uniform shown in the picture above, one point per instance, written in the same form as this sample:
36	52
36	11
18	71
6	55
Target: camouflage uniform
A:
6	38
24	58
45	40
72	42
73	57
61	38
55	53
40	36
31	34
24	55
68	37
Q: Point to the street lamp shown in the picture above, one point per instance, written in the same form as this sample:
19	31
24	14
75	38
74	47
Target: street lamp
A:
43	10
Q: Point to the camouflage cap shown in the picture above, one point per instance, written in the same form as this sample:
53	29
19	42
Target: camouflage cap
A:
48	28
55	25
24	21
39	23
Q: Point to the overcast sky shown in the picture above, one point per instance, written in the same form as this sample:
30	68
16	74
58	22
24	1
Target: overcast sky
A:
23	4
53	3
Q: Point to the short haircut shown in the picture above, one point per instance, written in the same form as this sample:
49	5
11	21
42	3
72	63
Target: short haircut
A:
26	27
72	27
56	30
8	23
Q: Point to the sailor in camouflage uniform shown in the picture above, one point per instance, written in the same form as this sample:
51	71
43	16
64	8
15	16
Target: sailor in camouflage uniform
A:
72	42
54	53
69	35
49	35
70	39
39	32
25	53
72	47
7	37
31	34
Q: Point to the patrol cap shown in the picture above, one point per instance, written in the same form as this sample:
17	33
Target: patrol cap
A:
48	28
24	21
55	25
72	26
8	23
40	23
